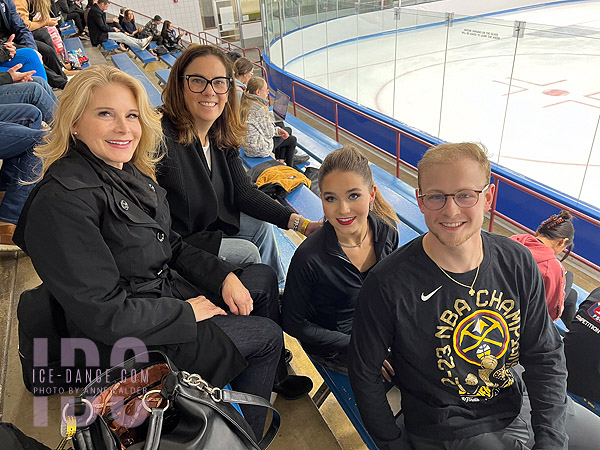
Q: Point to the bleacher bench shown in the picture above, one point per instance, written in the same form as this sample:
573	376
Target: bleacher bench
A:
68	29
163	76
108	46
313	142
168	59
143	55
74	44
123	62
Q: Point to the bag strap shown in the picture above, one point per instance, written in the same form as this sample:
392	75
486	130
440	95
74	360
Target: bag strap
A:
154	429
243	398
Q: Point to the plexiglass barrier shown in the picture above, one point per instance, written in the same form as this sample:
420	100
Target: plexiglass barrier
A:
529	92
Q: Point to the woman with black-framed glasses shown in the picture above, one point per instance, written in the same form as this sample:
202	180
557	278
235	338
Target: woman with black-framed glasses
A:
214	205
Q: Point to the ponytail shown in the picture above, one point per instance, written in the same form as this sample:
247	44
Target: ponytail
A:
559	226
383	210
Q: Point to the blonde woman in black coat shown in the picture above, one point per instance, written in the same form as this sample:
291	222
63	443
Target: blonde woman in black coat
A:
97	229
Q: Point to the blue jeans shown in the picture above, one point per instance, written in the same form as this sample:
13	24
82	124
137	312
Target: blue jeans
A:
261	234
239	251
37	93
20	130
30	60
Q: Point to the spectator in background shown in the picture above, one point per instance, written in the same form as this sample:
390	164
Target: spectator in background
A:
242	70
20	128
234	56
151	29
263	137
581	350
27	58
100	31
87	9
129	26
14	22
171	40
71	10
23	87
552	237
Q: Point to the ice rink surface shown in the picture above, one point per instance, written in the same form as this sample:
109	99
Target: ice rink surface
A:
455	83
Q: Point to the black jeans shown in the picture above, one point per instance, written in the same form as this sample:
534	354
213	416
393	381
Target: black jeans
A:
258	339
285	148
56	77
570	308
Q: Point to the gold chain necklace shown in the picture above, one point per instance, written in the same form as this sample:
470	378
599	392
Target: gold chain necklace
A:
471	290
360	243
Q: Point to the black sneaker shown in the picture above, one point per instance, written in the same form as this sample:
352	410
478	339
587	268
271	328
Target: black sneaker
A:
300	159
293	387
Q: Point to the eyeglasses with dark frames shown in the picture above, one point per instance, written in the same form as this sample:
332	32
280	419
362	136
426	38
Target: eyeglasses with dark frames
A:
198	84
467	198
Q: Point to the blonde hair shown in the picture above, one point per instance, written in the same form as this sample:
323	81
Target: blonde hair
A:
349	159
75	99
41	6
254	84
228	131
451	153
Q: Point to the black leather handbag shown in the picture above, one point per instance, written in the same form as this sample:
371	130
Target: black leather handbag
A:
152	405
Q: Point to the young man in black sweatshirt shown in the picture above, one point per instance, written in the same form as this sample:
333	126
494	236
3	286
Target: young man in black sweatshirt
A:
459	308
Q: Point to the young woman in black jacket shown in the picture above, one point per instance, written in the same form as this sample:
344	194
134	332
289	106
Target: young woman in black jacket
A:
98	230
328	269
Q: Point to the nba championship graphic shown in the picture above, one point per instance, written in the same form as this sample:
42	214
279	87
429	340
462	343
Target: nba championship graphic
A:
481	345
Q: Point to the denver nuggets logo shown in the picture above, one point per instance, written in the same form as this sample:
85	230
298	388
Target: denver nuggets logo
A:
481	336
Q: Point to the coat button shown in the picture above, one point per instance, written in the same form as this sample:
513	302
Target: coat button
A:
160	236
151	187
124	205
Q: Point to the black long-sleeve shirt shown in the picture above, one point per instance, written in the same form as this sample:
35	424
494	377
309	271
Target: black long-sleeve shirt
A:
322	286
453	352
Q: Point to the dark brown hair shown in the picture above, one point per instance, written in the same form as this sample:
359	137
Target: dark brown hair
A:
559	226
349	159
228	130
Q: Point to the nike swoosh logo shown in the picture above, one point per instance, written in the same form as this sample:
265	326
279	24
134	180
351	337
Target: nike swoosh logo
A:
427	297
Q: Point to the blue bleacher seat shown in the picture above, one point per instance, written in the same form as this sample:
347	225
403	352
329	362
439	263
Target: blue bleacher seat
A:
74	44
340	387
168	59
123	62
306	203
313	142
163	76
68	29
109	46
143	55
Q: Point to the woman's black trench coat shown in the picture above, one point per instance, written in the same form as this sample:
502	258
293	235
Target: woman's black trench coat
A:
118	272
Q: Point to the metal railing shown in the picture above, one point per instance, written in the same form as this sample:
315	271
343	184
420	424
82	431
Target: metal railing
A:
398	161
204	37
